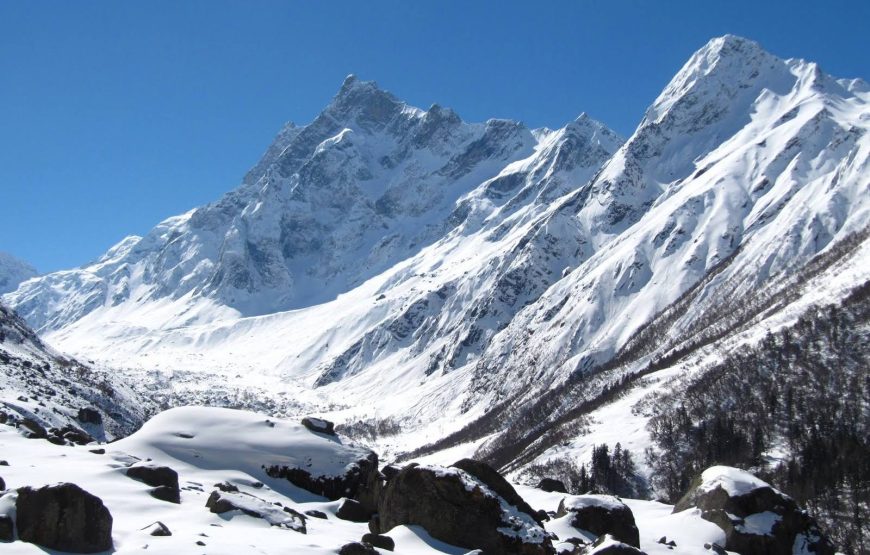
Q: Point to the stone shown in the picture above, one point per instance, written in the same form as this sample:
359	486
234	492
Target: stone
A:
319	425
88	415
496	482
599	515
457	508
357	548
157	529
314	513
552	485
163	479
63	517
756	518
379	541
7	528
353	511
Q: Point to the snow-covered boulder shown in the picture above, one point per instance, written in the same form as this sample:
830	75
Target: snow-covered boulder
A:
262	447
221	502
599	515
496	482
757	519
608	545
460	509
63	517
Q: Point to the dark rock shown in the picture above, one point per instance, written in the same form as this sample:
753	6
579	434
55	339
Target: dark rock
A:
551	485
63	517
390	471
200	543
457	508
756	518
362	481
379	541
90	416
157	529
357	548
314	513
4	463
75	435
97	451
319	425
223	502
226	486
166	493
375	524
353	511
496	482
599	515
7	529
34	429
2	484
162	478
608	545
715	548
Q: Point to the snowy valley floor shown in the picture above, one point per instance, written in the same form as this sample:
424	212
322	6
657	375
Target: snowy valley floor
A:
230	452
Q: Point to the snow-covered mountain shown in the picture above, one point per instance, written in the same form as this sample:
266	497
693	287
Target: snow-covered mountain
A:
13	271
56	391
406	271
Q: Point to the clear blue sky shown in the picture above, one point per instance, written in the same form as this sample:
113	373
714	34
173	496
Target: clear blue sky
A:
116	115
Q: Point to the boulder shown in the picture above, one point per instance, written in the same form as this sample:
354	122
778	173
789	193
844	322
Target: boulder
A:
2	484
599	515
357	548
379	541
756	518
460	509
7	528
551	485
63	517
361	481
608	545
157	529
319	425
314	513
353	511
33	429
496	482
72	434
90	416
220	502
163	479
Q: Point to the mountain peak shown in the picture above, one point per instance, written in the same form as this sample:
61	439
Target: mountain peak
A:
364	101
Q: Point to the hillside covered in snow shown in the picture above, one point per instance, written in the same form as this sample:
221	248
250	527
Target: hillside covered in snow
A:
443	289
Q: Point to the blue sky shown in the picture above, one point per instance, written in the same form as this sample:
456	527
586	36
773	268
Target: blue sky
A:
116	115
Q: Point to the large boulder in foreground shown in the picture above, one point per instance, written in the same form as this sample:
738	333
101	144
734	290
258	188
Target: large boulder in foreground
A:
63	517
599	515
460	509
496	482
757	519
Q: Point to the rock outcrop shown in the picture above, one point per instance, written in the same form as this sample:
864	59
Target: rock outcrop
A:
757	519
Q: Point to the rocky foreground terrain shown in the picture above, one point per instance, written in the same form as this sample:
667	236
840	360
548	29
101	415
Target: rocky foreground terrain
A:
217	480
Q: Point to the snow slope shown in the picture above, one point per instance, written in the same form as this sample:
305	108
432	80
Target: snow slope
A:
384	249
